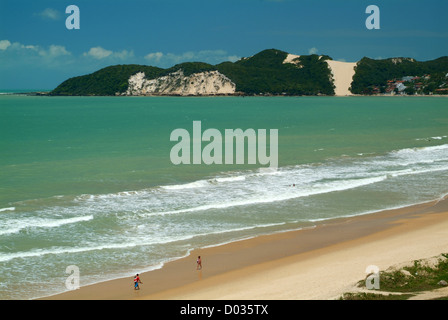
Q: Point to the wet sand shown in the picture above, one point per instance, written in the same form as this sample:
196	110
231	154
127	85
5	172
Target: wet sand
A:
316	263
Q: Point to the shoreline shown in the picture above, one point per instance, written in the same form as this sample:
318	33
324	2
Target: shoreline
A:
237	94
267	266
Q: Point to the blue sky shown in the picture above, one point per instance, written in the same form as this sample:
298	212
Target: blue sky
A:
37	51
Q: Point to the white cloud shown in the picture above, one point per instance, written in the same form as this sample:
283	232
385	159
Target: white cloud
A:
18	54
54	51
4	44
233	58
183	57
123	55
49	14
28	46
98	53
209	56
25	53
313	50
155	56
18	48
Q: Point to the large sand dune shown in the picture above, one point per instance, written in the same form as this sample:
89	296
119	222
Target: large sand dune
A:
342	74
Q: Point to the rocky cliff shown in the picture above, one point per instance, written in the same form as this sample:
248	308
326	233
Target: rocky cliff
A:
177	83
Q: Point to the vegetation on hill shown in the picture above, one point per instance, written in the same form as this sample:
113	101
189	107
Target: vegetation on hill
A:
188	68
263	73
372	76
422	278
104	82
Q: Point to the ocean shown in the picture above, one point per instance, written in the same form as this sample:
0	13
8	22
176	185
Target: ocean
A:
88	181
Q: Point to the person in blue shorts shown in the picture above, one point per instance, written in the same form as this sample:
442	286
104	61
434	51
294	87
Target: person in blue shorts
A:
136	282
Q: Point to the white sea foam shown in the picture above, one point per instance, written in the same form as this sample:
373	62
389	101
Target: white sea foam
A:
434	138
106	246
250	188
423	150
255	187
231	179
7	209
56	251
4	257
204	183
20	224
195	184
280	196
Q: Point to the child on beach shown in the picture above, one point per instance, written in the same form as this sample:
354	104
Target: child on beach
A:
136	282
199	263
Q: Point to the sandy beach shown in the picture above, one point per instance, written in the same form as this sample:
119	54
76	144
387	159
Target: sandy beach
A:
319	263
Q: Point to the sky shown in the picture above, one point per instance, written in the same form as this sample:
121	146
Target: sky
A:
38	51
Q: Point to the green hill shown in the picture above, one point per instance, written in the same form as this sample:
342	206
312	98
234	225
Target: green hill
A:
372	73
104	82
263	73
266	73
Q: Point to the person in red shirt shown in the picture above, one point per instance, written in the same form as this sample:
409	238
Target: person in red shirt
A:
136	282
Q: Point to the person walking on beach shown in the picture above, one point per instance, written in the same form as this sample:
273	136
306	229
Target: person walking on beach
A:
136	282
199	263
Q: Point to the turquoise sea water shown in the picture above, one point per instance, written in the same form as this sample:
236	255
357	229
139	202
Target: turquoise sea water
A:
88	181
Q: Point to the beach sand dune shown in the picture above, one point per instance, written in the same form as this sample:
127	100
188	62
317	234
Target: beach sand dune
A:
343	73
